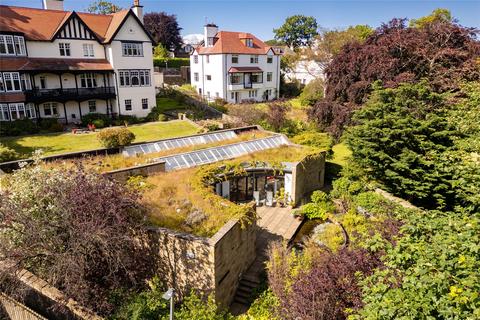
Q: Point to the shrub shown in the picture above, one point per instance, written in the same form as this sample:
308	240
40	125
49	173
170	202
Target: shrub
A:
162	117
156	114
290	89
18	127
7	154
319	140
277	114
91	117
115	137
319	208
171	62
312	92
248	114
128	119
99	123
77	230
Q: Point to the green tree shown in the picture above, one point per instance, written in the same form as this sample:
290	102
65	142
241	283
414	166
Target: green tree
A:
332	41
438	15
160	51
400	139
103	7
297	31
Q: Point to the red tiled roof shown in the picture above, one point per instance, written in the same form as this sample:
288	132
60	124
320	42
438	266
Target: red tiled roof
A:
231	42
41	24
53	64
245	69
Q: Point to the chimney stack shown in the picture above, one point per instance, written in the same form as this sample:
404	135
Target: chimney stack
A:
53	5
138	9
209	32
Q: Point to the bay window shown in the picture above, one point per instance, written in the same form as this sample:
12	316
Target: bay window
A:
135	78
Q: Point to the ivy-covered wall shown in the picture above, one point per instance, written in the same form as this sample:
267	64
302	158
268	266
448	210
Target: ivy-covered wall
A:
308	175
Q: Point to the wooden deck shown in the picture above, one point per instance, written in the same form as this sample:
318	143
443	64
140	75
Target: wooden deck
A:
278	221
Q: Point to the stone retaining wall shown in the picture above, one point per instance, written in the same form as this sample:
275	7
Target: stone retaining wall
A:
211	266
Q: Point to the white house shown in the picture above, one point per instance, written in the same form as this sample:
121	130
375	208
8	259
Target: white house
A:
234	66
65	64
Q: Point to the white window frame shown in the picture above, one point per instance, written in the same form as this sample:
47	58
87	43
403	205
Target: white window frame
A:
269	59
88	50
144	103
12	79
25	81
4	112
52	107
196	77
249	42
254	58
19	44
269	76
126	78
235	56
128	102
88	80
92	105
195	59
2	84
64	48
132	49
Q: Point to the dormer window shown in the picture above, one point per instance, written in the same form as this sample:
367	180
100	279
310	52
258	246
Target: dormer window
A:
249	42
210	42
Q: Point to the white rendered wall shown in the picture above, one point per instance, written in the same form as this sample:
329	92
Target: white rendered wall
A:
47	49
132	31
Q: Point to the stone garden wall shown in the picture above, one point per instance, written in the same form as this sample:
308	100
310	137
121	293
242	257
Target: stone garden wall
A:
308	175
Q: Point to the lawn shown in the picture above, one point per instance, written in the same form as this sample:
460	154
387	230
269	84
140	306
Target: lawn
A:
340	154
55	143
166	104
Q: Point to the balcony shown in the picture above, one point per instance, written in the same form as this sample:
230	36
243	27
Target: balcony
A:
69	94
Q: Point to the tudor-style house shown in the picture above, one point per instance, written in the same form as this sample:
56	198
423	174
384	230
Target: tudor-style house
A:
66	64
234	66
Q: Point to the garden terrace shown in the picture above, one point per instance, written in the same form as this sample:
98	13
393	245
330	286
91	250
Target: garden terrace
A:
185	200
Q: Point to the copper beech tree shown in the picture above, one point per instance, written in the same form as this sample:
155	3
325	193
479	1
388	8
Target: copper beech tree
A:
77	230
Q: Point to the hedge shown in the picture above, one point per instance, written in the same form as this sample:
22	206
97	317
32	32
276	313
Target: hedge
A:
171	62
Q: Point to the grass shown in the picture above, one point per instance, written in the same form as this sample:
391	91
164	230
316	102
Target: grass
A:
167	104
341	152
172	198
55	143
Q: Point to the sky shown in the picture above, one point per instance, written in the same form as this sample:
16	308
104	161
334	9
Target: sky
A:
260	17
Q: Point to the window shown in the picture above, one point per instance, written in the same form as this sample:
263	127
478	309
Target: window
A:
134	78
145	103
210	41
209	77
11	81
30	110
25	79
236	78
92	106
4	114
269	59
196	77
207	57
9	44
132	49
128	104
269	76
50	109
64	49
195	59
256	77
17	111
20	46
217	94
234	59
252	93
43	82
87	80
254	59
249	42
88	50
2	84
232	95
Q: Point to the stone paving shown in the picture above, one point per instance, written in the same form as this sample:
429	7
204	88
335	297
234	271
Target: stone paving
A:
274	224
